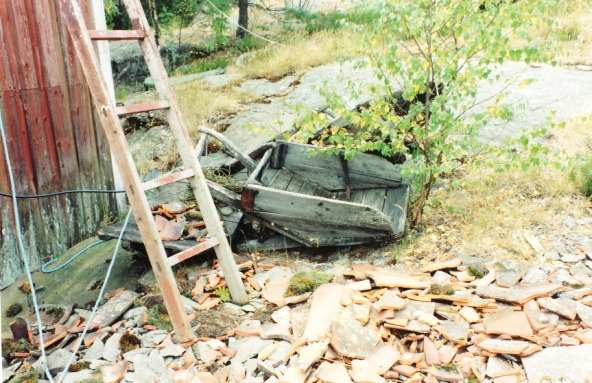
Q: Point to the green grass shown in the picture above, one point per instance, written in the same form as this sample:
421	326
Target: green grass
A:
202	65
581	174
333	20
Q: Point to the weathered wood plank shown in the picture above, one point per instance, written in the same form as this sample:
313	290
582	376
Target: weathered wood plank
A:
395	207
192	251
365	170
116	35
310	233
141	108
322	210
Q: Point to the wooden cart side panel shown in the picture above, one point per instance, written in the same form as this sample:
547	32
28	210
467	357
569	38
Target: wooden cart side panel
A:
365	170
317	209
311	234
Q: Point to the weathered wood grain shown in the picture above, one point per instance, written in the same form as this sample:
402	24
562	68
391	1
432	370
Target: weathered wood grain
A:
365	170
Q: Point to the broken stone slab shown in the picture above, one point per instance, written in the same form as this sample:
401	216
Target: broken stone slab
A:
138	315
279	331
114	373
360	312
469	314
153	338
508	278
585	314
247	347
432	356
569	364
204	352
511	347
576	294
325	305
447	264
518	294
390	300
447	353
57	360
310	354
362	372
113	309
173	350
278	280
508	322
282	315
497	367
534	275
95	351
280	353
538	319
562	306
455	331
391	278
351	339
333	373
363	285
112	349
383	358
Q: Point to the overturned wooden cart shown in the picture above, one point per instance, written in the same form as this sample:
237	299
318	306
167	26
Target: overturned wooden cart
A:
316	199
295	195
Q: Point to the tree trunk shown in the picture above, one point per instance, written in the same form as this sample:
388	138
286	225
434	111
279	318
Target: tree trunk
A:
243	18
153	14
416	212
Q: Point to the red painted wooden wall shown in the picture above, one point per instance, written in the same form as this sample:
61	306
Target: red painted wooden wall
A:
54	141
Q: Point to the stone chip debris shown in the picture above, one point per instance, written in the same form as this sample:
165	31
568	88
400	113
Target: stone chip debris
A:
370	325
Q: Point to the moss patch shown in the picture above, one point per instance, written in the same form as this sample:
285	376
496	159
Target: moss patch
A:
306	281
477	270
441	289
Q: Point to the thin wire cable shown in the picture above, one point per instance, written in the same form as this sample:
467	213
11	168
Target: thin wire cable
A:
22	251
45	269
241	27
54	194
99	298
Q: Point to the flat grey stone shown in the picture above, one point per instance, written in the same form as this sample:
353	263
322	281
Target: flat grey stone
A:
95	351
153	338
266	88
174	350
57	360
112	350
351	339
79	376
570	364
508	278
247	347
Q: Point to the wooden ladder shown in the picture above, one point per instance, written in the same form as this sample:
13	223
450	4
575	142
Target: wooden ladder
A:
108	115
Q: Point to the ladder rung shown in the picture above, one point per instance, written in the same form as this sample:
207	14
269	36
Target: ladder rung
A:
140	108
192	251
117	35
167	179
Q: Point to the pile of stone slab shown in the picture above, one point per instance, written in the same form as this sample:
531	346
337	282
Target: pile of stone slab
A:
446	322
